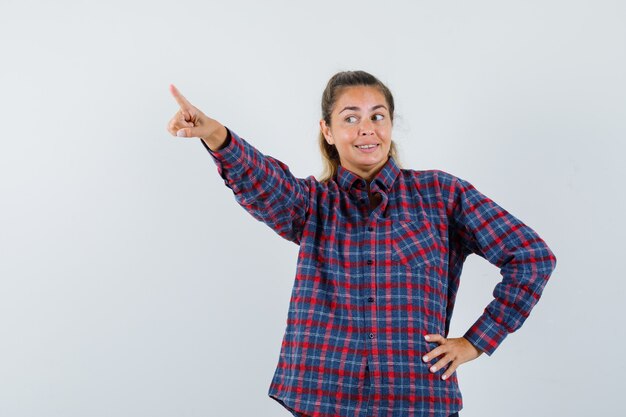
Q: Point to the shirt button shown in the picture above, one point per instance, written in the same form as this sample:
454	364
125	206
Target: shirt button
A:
369	262
371	335
370	299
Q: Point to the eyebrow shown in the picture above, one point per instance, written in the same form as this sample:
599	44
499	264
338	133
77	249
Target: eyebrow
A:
378	106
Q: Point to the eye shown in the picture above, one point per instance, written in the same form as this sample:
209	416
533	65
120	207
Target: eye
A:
380	117
350	119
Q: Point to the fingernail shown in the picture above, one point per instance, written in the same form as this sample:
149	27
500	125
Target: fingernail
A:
180	133
426	358
434	368
427	337
444	377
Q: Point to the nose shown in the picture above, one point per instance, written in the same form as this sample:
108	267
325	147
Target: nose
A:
366	128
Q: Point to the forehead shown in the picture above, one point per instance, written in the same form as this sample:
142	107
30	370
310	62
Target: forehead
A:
363	96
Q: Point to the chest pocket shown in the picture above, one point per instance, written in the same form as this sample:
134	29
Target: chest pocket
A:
415	243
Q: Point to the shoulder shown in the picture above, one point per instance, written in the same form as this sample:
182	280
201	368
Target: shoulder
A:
437	187
430	178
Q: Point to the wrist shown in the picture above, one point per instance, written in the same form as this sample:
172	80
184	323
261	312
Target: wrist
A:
217	139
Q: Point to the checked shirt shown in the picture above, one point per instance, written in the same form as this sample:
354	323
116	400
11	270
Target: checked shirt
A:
371	282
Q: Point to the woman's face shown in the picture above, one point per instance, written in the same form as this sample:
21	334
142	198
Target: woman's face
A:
360	117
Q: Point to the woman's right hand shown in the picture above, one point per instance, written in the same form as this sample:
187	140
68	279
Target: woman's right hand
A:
189	122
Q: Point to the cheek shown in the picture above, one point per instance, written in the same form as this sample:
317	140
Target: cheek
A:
346	136
384	134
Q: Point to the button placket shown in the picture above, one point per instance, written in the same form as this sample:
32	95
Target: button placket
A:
371	272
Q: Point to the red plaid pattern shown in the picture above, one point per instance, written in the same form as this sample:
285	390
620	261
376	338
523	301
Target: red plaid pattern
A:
370	283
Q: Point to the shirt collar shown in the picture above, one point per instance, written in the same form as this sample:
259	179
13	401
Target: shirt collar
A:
384	178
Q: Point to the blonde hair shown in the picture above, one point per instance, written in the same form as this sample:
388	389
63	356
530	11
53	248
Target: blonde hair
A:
330	157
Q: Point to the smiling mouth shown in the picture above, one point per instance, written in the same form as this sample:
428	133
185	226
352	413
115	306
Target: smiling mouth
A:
366	146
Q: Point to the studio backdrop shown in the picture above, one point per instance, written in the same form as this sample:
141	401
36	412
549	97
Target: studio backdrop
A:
133	284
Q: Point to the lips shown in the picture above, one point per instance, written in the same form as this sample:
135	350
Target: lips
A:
368	150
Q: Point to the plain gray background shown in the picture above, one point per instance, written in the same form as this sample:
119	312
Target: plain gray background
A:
131	282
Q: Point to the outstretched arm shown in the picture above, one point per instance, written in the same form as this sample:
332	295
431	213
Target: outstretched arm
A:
262	185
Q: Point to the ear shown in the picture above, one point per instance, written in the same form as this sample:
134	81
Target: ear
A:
326	132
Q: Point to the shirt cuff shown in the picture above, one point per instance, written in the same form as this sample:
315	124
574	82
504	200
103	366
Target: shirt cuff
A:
231	159
231	154
486	334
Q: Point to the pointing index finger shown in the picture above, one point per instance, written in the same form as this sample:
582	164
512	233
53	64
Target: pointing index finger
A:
180	99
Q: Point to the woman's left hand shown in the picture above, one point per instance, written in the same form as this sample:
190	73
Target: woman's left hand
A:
453	351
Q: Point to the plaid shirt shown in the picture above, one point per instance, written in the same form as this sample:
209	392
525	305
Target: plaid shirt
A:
370	283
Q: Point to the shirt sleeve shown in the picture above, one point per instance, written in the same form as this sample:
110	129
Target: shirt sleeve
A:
263	186
525	260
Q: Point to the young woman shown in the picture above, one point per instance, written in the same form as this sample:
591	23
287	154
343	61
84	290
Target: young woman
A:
381	253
